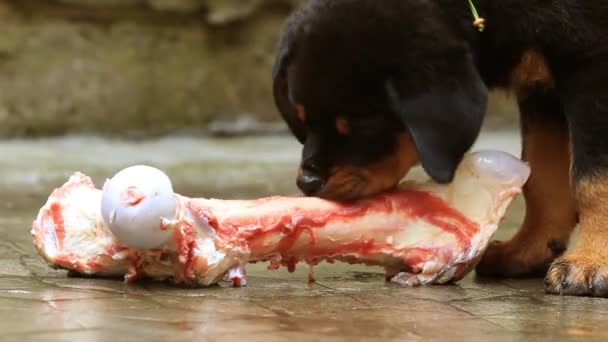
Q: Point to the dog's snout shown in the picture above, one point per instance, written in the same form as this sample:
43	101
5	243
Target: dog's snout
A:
311	180
310	184
309	166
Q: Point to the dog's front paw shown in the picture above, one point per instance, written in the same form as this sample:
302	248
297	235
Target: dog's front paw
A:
512	259
578	275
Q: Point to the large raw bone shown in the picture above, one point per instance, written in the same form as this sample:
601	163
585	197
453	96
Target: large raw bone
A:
423	233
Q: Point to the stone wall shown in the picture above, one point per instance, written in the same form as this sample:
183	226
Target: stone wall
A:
135	66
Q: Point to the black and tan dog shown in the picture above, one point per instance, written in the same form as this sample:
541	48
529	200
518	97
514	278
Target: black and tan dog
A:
374	87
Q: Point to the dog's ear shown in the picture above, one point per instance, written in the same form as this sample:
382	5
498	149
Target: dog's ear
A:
444	120
281	93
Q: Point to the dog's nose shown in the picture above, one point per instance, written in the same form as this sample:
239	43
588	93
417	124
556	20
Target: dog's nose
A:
310	184
310	180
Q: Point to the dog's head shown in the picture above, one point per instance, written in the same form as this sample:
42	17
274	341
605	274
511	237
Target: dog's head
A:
372	88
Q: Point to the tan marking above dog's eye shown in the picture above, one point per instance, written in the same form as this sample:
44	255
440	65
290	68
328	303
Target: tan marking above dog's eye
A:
343	126
301	113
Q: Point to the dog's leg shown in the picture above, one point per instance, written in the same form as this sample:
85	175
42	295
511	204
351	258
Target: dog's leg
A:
584	271
550	206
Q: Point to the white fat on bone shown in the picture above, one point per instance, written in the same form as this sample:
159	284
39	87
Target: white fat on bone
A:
422	233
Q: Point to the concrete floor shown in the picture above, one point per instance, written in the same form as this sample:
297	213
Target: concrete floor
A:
347	303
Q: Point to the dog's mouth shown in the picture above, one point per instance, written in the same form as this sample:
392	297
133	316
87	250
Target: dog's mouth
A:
353	181
344	186
351	184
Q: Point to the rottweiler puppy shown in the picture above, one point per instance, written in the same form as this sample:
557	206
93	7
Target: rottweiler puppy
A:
373	87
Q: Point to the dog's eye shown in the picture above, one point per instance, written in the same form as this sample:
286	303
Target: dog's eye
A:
343	126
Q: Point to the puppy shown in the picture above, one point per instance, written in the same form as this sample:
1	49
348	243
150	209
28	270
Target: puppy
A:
373	87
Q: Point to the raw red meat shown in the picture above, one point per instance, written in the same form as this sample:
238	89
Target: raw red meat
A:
422	233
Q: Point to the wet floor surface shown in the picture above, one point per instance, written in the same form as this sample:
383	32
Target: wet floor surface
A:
346	303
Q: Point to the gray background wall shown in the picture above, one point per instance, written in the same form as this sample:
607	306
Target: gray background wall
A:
144	67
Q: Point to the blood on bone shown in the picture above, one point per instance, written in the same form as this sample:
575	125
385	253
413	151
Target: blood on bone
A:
418	256
293	235
237	282
135	268
55	212
115	248
186	246
281	230
73	261
311	275
132	196
66	259
57	215
291	264
363	247
253	230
